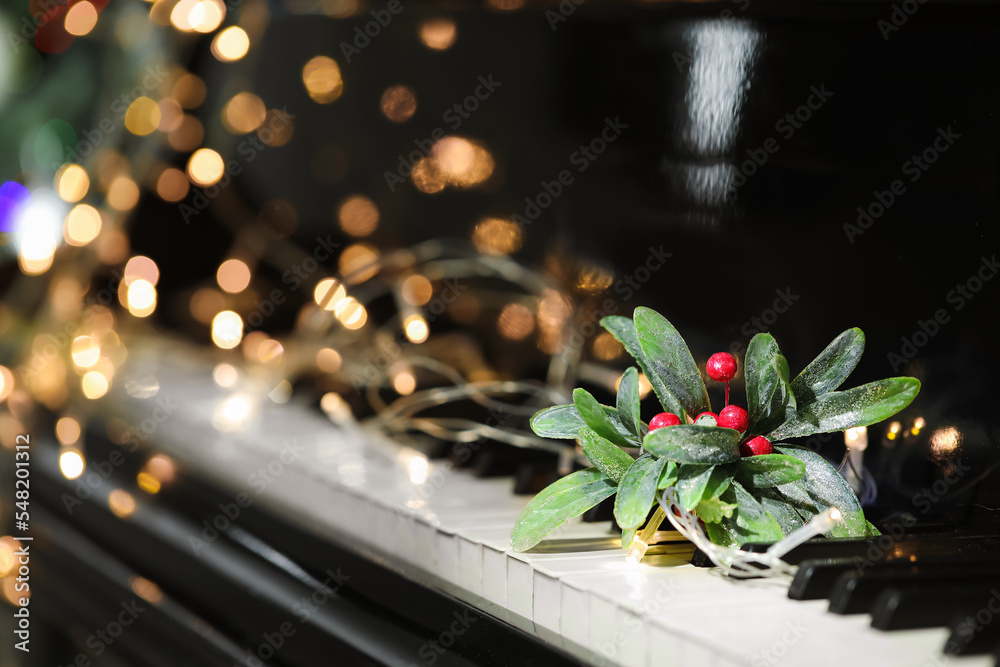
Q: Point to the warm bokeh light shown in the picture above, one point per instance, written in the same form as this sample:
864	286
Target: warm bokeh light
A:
122	503
416	290
329	360
416	329
180	16
83	224
161	467
231	413
171	114
189	90
244	113
205	303
123	194
112	246
358	263
335	406
85	351
233	276
205	167
270	352
94	385
141	298
146	589
894	429
516	321
358	215
71	464
72	182
496	236
143	267
404	383
321	76
225	375
187	135
593	279
606	347
7	548
427	177
329	293
207	15
6	383
277	130
438	34
38	248
230	44
68	430
172	185
351	313
80	18
461	162
227	329
398	103
143	116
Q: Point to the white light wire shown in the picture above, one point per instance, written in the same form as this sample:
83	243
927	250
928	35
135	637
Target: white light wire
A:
738	563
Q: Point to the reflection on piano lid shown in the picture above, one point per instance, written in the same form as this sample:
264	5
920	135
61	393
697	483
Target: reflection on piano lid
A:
317	490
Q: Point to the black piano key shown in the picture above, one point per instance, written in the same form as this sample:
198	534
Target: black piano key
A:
854	592
976	632
532	477
928	605
881	548
815	578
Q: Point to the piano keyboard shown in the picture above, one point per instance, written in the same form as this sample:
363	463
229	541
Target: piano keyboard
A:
450	530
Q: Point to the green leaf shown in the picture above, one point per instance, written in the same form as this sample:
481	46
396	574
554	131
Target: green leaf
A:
564	422
825	488
605	455
670	360
687	443
769	470
691	483
720	480
750	522
669	476
596	418
637	490
769	394
623	329
696	483
627	536
723	531
830	368
861	406
714	510
628	402
560	421
562	500
781	508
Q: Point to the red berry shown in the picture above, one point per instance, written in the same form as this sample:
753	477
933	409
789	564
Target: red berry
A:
721	367
756	447
733	416
710	414
663	419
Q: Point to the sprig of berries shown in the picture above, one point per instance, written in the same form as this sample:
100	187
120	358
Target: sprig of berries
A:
721	367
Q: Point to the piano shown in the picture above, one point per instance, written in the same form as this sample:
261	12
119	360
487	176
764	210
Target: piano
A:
294	540
763	146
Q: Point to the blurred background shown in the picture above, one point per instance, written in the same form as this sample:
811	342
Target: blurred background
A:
342	204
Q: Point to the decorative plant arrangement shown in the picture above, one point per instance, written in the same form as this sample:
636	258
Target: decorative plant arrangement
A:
731	469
